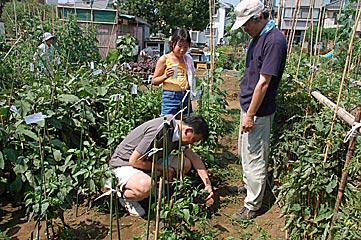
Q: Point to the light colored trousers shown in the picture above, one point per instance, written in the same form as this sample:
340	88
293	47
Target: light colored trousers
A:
253	148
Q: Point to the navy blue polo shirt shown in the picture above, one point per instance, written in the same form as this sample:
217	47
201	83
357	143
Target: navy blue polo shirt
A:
266	55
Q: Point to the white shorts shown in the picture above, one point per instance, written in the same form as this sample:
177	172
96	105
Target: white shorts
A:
123	174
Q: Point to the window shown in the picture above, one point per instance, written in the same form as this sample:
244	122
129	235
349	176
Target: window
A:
303	13
194	36
316	12
288	12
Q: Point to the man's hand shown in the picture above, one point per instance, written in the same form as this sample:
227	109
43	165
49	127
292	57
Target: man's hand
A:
209	200
171	173
247	123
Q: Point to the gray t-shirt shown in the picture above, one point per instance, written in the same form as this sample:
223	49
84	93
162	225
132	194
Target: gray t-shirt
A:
142	139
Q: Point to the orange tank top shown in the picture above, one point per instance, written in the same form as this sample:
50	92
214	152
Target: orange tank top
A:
181	82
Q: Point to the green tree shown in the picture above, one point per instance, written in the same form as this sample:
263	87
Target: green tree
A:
164	16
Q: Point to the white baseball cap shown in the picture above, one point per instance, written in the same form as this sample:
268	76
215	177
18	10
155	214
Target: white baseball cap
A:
245	10
47	36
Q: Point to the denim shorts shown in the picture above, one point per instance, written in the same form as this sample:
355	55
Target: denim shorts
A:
171	102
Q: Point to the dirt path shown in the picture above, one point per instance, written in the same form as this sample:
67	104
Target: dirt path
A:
94	223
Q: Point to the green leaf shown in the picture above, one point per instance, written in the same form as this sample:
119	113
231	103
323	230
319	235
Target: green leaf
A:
186	214
57	143
80	172
296	207
28	133
16	185
331	186
4	111
91	185
102	91
44	207
57	155
68	98
323	216
10	154
2	161
21	166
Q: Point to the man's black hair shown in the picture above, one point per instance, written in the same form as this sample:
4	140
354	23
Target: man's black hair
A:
265	13
198	124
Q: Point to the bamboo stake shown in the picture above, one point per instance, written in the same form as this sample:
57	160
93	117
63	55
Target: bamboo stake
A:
343	76
294	25
350	63
110	217
52	20
11	48
117	213
337	26
15	19
321	31
311	32
211	43
310	79
111	35
158	208
180	152
43	181
357	64
304	40
315	60
350	151
318	34
165	157
153	177
280	3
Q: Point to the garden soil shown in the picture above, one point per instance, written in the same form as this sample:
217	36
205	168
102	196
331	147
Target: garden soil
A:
93	223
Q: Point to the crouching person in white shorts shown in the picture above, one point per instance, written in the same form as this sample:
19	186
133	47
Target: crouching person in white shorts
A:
132	158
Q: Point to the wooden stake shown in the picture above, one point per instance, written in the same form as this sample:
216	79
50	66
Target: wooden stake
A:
293	28
316	52
303	41
211	43
158	208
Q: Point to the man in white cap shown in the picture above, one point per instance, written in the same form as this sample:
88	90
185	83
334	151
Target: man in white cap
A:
265	62
45	52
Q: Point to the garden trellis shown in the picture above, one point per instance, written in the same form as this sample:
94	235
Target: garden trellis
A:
89	111
314	68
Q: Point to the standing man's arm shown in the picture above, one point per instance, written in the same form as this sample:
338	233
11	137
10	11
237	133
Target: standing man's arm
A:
198	165
257	98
